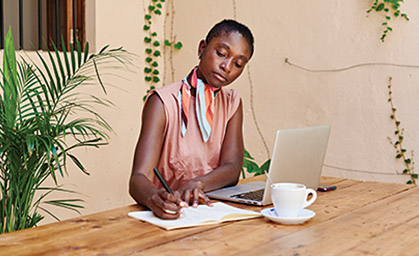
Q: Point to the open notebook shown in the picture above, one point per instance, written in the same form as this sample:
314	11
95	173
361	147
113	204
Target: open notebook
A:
202	215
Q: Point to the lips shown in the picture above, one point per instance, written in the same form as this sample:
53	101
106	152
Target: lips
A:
220	77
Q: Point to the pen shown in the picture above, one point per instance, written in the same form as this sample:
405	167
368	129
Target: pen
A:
162	181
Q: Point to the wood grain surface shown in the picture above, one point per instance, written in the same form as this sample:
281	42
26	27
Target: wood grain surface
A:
358	218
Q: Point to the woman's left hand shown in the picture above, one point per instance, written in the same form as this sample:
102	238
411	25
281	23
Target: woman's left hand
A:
192	193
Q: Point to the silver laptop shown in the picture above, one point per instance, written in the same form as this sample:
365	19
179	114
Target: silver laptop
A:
297	156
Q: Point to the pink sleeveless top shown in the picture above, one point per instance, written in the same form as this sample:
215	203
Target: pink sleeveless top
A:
186	157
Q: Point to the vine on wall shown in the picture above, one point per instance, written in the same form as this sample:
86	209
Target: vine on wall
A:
388	7
153	45
398	143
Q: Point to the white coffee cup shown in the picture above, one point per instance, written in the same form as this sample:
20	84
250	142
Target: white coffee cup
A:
290	198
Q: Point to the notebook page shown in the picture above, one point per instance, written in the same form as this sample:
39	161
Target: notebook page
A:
202	215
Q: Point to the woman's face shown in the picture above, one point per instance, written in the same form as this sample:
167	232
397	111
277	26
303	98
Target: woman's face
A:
223	59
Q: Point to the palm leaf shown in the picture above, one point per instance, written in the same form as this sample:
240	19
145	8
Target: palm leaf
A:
41	110
67	63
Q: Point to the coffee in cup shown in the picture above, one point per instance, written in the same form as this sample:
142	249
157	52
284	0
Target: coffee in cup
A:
290	198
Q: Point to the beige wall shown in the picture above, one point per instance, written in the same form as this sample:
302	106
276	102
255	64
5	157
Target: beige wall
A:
322	34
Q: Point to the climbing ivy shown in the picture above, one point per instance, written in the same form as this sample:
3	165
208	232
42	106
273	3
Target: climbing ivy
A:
153	45
401	152
388	7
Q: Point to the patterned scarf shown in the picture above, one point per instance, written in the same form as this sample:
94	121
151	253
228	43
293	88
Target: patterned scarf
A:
204	104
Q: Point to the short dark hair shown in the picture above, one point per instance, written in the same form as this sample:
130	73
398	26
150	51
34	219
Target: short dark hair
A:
228	26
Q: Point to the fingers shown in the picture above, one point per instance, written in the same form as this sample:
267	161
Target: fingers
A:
179	201
206	200
196	196
166	205
186	196
195	199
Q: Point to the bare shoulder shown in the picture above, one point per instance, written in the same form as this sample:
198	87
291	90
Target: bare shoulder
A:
153	113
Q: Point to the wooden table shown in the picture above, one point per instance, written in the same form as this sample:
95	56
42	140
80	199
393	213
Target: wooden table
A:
359	218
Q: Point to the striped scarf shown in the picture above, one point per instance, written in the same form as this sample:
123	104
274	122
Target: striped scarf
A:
204	104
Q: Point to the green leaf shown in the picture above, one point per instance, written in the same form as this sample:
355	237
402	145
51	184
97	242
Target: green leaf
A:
147	70
79	53
157	53
156	79
388	18
247	154
147	17
162	1
265	166
147	78
252	167
78	163
178	45
408	161
151	8
398	156
405	171
157	12
148	59
67	62
146	28
147	39
155	72
167	43
156	43
415	176
86	52
155	64
409	182
154	34
10	82
148	50
159	5
380	7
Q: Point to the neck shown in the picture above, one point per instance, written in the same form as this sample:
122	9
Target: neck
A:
199	76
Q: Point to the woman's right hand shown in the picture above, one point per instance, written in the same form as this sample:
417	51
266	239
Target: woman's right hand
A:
165	205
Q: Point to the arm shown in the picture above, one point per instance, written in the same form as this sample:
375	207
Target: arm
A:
147	155
231	162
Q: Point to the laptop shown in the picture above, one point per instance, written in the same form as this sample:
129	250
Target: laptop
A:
297	157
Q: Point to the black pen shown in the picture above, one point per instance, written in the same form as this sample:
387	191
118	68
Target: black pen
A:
162	181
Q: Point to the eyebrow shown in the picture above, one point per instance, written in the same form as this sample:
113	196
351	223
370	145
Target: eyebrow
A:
228	47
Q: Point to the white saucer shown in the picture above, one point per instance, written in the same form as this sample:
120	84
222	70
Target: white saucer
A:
302	217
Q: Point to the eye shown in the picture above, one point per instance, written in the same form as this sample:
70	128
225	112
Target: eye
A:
220	54
237	65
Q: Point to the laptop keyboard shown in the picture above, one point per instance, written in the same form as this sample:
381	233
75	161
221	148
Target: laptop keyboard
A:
256	195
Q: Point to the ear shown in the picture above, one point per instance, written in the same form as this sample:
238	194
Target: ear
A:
201	47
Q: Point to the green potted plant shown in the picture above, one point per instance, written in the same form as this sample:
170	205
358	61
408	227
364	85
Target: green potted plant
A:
39	127
252	167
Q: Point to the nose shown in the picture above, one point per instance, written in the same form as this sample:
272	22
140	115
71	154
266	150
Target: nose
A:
226	65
